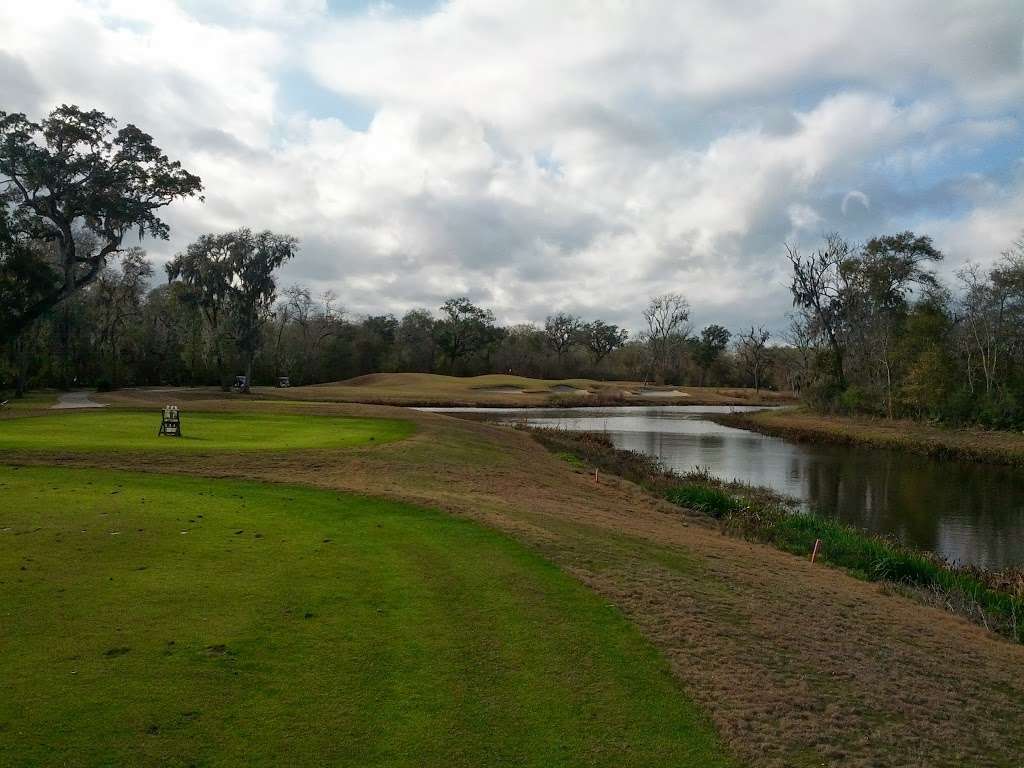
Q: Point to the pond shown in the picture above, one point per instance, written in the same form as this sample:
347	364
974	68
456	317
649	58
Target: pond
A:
967	512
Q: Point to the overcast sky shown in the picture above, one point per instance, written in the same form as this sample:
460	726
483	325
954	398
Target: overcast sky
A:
542	156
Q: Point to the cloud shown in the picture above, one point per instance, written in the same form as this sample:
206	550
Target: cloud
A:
540	156
855	194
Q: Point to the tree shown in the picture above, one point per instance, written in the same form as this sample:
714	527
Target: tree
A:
817	289
25	277
752	351
76	171
993	312
316	322
560	332
417	342
800	340
232	279
878	281
374	342
255	256
712	342
601	339
464	330
206	270
667	317
116	299
523	351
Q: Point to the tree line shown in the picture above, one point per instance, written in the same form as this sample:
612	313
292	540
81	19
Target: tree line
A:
78	307
873	329
876	331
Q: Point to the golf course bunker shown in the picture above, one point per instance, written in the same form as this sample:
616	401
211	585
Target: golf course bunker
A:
662	393
115	431
507	389
569	389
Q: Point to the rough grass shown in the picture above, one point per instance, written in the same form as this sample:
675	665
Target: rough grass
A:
107	430
994	598
29	403
163	620
502	390
975	444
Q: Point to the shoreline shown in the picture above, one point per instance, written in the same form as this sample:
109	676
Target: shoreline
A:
944	443
989	597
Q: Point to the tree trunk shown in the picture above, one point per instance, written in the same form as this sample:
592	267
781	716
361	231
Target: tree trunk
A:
18	363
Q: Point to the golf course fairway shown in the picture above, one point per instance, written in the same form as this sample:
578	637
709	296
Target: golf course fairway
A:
168	620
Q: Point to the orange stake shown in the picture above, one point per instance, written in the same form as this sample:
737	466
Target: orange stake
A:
817	549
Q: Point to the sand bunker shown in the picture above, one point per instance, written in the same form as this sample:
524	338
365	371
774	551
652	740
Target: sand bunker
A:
662	393
569	389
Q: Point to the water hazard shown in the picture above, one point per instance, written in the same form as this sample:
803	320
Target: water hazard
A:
970	512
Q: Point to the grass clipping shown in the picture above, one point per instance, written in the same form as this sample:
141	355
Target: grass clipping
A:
992	598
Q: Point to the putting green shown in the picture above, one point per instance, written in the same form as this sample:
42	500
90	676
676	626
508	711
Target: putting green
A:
137	431
171	621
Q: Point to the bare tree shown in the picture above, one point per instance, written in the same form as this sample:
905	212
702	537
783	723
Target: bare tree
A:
992	310
752	351
315	322
800	339
667	317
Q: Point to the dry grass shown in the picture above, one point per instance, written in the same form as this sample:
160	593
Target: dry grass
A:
919	437
797	664
511	391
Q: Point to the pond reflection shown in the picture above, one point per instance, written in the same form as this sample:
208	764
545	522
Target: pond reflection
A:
965	511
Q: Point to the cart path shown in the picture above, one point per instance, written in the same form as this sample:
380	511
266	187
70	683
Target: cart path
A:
77	399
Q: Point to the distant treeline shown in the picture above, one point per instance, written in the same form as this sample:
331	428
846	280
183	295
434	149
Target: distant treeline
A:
873	329
117	331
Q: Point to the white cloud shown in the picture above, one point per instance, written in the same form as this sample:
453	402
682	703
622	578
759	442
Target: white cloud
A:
857	195
545	156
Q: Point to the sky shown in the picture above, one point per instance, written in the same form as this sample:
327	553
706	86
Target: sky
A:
539	156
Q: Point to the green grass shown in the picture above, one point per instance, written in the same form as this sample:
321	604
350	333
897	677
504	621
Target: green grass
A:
156	620
137	431
29	401
710	501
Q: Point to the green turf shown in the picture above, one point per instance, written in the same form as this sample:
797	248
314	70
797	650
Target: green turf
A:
137	431
157	620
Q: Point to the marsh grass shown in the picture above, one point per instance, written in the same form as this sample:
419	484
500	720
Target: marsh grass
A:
710	501
992	598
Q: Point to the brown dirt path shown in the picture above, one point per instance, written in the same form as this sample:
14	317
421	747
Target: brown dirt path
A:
797	664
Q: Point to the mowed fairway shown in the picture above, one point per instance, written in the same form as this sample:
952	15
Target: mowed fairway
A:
165	620
89	431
